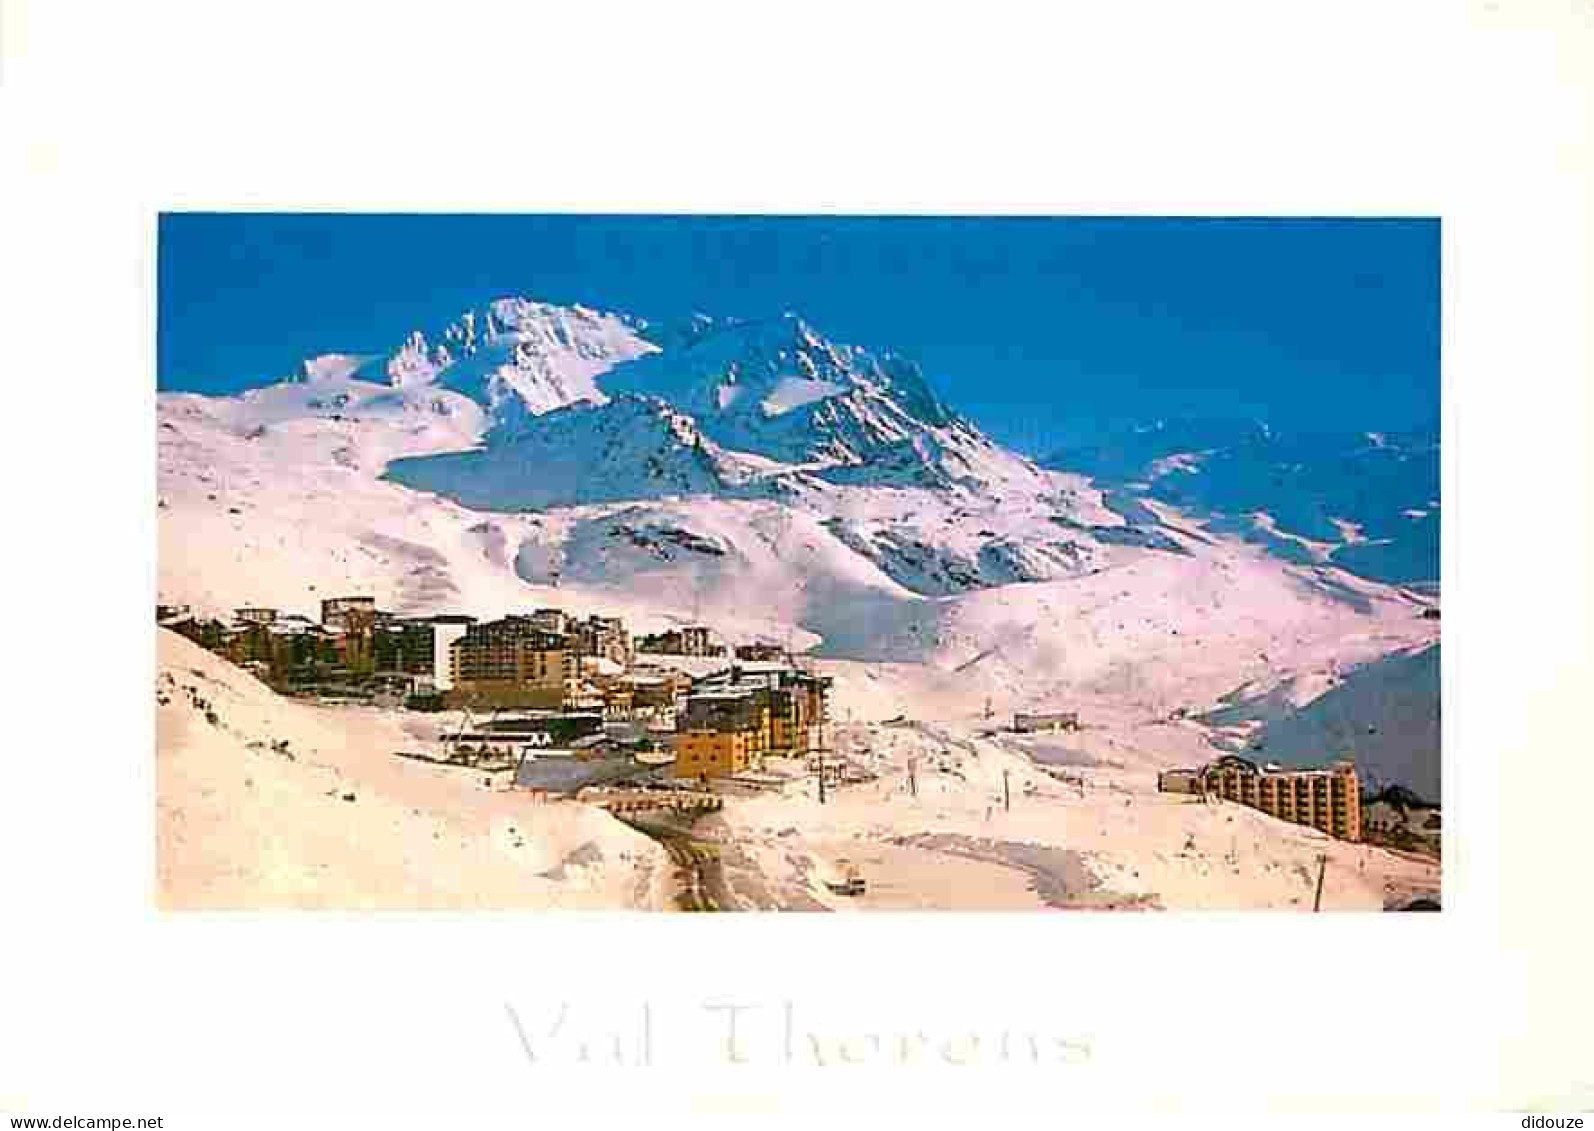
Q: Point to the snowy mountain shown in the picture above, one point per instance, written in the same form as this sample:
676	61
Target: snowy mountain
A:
759	478
626	449
1367	502
780	389
515	357
1384	715
769	396
773	410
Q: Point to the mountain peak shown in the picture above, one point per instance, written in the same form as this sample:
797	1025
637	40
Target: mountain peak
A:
780	388
520	356
331	367
775	388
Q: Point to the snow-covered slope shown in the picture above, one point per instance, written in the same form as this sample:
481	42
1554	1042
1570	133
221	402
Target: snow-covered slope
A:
773	410
1368	502
626	449
780	389
349	422
1383	714
264	802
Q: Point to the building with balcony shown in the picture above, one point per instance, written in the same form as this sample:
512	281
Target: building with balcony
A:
1326	799
714	753
445	630
602	636
510	662
771	708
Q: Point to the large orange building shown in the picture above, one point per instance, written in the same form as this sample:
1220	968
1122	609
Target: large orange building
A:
1329	799
794	702
715	753
735	716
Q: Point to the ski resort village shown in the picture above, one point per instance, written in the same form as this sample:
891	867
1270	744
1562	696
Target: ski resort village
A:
547	607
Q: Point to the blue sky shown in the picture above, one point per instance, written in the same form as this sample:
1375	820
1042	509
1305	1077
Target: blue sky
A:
1043	330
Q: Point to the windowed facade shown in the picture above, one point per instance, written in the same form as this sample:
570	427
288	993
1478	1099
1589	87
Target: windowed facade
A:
1329	799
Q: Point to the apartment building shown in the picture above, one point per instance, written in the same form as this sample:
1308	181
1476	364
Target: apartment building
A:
510	662
407	646
768	708
1179	781
692	640
603	636
445	630
796	700
1327	799
714	754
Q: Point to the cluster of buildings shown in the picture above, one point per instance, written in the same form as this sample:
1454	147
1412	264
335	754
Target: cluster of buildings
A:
1327	799
722	725
698	640
355	648
693	640
547	659
731	719
556	671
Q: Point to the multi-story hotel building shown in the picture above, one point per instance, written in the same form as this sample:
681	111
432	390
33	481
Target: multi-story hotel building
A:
715	753
603	636
1326	799
735	716
510	663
